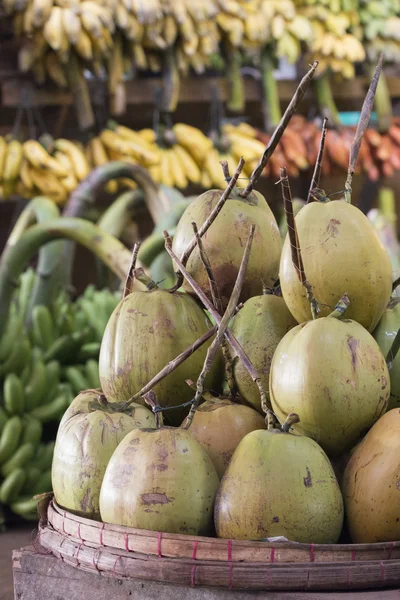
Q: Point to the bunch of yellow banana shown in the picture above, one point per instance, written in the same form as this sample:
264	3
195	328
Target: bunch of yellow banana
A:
53	30
28	169
381	28
336	35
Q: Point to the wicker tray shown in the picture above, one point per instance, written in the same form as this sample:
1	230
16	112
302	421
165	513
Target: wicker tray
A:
200	561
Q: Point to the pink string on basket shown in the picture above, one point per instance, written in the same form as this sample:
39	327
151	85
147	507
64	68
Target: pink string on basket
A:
193	575
312	552
159	535
101	533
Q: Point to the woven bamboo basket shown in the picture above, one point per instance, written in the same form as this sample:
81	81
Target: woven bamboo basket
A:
200	561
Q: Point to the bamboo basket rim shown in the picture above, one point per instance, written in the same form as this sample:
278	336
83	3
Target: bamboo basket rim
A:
113	562
160	544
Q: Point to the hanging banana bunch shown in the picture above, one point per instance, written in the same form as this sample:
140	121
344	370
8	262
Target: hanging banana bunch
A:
381	28
336	34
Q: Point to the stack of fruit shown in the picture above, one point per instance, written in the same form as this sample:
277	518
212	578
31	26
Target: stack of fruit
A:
325	378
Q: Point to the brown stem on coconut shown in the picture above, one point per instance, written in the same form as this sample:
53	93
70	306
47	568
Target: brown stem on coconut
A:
216	299
141	275
391	355
276	136
294	242
318	163
225	170
131	273
207	224
361	127
151	400
340	307
291	419
235	345
229	312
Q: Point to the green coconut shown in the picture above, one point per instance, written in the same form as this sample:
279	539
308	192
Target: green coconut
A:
160	479
147	330
259	327
219	425
371	483
333	374
89	432
384	334
225	239
279	484
342	253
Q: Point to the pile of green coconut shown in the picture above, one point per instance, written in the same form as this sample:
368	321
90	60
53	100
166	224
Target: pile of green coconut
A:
258	397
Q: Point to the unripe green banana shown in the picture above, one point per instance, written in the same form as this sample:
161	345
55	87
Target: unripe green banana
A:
77	380
3	418
90	350
36	389
13	394
46	459
13	329
44	483
42	327
53	371
65	347
52	411
25	506
9	439
12	486
32	476
92	373
20	458
27	281
32	430
26	373
20	354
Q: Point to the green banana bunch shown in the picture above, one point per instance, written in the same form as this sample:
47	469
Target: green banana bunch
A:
380	22
44	364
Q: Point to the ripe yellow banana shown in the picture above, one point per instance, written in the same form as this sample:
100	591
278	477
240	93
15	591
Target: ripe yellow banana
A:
69	182
49	185
214	169
41	10
39	158
55	70
25	175
193	140
206	182
136	148
13	161
149	135
188	164
72	25
99	158
176	169
166	177
53	29
76	156
83	46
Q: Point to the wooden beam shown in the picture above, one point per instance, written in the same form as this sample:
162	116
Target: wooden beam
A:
193	89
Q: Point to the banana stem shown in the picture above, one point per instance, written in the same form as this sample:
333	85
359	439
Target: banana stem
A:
325	99
85	194
104	246
120	212
80	92
383	103
236	100
271	104
39	210
171	82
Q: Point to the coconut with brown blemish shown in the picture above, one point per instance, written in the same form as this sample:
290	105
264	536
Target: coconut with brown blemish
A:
225	240
279	484
334	375
147	330
162	480
371	483
89	432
